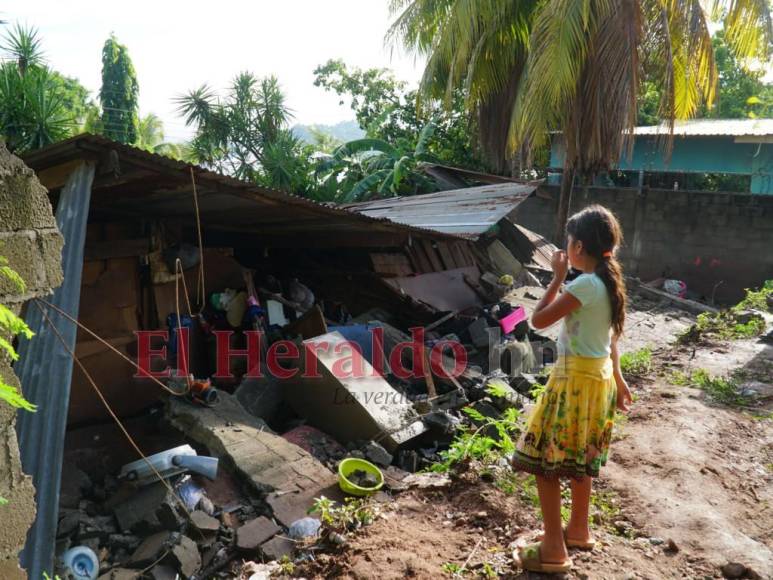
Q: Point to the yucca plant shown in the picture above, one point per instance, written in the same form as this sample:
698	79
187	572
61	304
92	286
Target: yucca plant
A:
32	107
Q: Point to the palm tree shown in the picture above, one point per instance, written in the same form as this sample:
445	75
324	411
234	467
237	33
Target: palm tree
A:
478	46
246	132
579	65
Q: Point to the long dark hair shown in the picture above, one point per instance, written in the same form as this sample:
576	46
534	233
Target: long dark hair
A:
600	233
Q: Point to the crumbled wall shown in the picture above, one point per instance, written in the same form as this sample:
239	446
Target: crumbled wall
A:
718	243
31	242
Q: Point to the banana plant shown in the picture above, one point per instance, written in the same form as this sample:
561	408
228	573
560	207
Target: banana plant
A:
368	168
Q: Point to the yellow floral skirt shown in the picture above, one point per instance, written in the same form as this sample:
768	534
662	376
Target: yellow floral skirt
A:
569	429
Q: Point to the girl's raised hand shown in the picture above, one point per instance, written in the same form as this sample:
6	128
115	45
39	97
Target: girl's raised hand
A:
560	264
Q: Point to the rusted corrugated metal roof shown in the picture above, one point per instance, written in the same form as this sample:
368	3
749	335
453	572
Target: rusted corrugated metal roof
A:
709	127
467	212
224	200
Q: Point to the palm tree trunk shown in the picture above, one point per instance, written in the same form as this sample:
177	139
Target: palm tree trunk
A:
564	200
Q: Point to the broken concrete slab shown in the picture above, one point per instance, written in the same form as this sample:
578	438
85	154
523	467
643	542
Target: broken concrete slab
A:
119	574
277	547
253	533
289	507
261	397
376	453
151	548
139	513
186	557
203	522
348	407
266	461
75	484
163	572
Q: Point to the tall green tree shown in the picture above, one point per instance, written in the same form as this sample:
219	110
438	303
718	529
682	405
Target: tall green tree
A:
119	94
741	90
388	111
38	106
246	133
577	65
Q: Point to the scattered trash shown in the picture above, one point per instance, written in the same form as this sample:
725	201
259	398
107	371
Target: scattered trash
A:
304	528
80	563
675	287
168	464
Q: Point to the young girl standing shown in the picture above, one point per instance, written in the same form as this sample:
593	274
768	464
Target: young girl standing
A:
569	430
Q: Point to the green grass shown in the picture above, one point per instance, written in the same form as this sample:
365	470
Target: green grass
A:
757	299
724	390
604	510
727	325
477	443
637	363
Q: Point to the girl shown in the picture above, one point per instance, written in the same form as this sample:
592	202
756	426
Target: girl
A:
569	429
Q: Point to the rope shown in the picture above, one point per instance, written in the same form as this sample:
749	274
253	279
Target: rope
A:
107	344
109	409
201	290
178	266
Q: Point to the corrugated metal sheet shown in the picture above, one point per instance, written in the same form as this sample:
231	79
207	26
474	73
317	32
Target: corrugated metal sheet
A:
709	127
45	371
307	213
467	212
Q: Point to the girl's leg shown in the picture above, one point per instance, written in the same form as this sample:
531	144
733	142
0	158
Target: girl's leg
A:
553	548
578	529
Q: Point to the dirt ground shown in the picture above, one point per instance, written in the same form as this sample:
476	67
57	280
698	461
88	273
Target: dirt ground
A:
688	488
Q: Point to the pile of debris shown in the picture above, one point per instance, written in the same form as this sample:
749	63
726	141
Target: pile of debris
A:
386	386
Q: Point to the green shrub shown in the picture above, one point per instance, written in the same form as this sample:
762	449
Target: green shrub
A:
637	363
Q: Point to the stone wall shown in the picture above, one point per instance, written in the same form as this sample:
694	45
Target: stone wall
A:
31	242
718	243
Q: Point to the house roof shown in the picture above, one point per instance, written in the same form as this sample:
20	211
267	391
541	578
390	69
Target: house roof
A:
467	212
712	127
131	182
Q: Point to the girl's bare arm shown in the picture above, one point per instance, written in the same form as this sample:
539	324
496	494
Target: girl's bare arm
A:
623	392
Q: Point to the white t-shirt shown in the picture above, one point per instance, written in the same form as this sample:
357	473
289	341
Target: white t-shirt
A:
587	331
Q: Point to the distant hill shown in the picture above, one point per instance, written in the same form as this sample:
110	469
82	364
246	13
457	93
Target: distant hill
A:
343	131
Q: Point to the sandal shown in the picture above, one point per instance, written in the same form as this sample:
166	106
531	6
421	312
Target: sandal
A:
530	559
587	545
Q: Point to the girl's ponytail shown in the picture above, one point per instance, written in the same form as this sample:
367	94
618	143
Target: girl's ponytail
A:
611	273
600	233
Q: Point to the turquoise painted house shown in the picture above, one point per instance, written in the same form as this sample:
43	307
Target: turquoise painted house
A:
728	146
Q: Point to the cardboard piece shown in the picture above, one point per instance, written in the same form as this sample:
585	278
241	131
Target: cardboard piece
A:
445	290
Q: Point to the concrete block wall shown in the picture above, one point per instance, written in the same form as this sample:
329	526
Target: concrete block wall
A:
718	243
31	242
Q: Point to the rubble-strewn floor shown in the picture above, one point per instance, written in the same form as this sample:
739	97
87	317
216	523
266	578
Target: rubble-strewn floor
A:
683	469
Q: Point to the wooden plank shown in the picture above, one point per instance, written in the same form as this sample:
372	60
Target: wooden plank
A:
459	256
420	258
432	255
116	249
468	252
391	264
447	256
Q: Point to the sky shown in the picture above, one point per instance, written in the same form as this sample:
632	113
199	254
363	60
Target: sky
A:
177	46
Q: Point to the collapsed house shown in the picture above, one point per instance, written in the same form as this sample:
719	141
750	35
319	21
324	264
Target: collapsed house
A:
153	244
